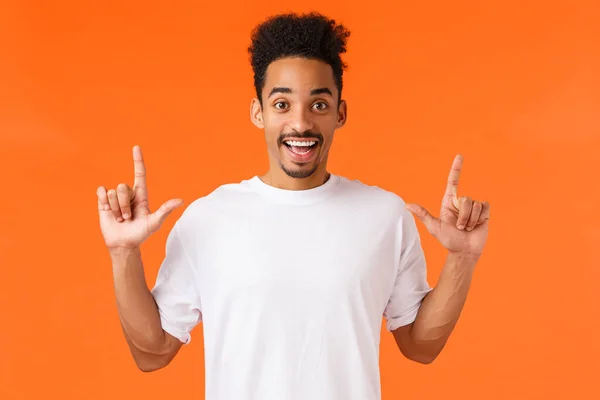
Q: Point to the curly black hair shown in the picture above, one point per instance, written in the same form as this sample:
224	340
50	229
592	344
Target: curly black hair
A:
311	36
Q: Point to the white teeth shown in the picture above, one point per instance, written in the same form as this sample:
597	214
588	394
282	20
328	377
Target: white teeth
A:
300	144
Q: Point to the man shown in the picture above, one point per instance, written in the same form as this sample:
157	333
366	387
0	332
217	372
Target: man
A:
291	272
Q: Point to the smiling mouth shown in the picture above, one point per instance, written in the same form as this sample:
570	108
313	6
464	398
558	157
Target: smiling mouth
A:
301	150
300	146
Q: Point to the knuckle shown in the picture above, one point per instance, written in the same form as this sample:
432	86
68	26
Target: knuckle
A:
123	187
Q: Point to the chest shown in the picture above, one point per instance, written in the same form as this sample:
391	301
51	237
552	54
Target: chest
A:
297	257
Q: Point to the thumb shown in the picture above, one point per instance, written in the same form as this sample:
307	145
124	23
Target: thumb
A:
431	223
156	219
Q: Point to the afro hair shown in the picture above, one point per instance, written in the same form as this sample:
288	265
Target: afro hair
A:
311	36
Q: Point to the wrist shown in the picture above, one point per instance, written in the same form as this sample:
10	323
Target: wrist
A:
122	254
463	259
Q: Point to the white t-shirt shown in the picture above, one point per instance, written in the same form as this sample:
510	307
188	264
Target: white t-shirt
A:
291	287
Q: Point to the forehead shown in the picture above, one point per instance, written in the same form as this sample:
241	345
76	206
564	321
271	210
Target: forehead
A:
299	74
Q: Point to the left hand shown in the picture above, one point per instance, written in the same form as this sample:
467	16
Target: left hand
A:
462	227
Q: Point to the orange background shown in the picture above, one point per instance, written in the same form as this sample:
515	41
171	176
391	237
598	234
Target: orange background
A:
513	86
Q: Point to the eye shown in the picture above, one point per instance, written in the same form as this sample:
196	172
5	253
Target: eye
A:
322	104
280	105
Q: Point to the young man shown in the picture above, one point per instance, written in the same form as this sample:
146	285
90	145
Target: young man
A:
291	272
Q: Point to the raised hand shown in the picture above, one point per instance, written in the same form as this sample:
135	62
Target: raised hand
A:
462	226
125	217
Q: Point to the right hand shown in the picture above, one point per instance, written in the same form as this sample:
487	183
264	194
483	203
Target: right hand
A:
125	217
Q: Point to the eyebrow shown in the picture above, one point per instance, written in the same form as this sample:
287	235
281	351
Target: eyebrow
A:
313	92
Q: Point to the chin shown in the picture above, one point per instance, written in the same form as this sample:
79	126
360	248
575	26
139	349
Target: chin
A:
297	172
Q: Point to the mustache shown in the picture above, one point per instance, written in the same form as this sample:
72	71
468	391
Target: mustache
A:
305	135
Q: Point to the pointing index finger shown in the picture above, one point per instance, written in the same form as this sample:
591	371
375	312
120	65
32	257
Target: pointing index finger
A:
452	186
139	169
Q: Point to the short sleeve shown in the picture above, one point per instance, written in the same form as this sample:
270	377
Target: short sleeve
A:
411	284
175	290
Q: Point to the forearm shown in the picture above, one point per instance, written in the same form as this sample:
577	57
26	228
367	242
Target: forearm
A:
137	309
441	308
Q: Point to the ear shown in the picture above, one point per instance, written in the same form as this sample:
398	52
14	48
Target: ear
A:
256	113
342	114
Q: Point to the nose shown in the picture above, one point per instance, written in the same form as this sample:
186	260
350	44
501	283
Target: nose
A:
300	121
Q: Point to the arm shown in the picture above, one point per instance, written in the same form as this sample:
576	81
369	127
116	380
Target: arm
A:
423	340
462	229
151	347
126	222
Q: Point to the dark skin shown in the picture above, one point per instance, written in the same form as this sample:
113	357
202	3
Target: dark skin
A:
462	229
300	99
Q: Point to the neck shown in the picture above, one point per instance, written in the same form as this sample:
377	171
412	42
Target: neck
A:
278	178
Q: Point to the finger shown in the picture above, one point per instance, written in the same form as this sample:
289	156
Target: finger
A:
139	169
102	199
431	223
474	217
485	212
124	198
453	177
114	204
465	204
156	219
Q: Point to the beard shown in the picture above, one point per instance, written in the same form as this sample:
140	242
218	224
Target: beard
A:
299	174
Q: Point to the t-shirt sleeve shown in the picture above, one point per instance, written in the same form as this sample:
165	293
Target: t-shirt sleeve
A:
410	286
175	290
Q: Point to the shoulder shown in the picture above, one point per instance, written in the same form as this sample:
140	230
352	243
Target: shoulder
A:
387	207
372	195
202	208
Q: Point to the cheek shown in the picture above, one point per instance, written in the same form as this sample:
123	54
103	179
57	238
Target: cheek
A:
272	128
272	138
324	150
